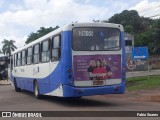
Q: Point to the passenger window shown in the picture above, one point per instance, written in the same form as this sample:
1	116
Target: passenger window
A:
15	60
45	55
36	54
23	57
19	59
11	61
56	48
29	56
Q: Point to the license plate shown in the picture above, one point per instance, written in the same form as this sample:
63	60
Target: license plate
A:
98	82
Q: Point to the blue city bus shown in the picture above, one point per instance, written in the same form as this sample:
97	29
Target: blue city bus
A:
79	59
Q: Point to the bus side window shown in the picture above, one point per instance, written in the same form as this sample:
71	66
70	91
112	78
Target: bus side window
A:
19	59
15	60
29	56
56	48
11	61
36	54
45	54
23	57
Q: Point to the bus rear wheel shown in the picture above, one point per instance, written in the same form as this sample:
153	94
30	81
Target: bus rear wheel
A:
36	90
17	89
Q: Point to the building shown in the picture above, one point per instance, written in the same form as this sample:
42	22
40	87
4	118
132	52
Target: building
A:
129	42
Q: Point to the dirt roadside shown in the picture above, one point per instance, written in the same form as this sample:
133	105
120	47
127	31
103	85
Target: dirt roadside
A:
5	82
152	95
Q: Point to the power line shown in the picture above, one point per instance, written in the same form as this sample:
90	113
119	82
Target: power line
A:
154	16
75	5
146	7
151	10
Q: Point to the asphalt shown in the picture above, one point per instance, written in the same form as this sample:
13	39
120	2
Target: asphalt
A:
130	101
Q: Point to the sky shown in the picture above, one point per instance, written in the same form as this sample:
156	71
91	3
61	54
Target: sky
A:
18	18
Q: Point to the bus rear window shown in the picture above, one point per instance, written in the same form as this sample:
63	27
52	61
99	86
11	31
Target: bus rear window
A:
96	39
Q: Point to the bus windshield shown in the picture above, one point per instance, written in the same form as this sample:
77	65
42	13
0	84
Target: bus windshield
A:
96	39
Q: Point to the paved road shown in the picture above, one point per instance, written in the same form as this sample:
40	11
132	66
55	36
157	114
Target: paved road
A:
24	101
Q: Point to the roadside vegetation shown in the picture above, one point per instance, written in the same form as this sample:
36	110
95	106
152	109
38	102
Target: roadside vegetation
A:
143	83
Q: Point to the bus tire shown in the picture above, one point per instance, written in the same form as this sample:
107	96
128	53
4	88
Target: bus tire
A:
17	89
36	90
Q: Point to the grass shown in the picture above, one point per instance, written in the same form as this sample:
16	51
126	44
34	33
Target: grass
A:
142	83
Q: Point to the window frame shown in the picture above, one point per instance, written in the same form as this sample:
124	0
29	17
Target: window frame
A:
19	59
29	56
38	54
120	38
15	60
46	52
23	58
56	48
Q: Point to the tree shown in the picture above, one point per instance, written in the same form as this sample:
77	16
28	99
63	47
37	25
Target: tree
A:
155	35
129	29
41	32
145	30
150	37
1	52
8	46
131	21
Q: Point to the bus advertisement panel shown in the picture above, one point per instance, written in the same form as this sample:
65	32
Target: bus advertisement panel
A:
97	67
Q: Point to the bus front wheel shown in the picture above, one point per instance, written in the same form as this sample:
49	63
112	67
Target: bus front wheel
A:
36	90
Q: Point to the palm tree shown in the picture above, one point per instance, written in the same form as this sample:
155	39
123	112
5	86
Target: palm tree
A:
8	46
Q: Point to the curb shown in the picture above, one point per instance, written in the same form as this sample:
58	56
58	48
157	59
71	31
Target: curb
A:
4	82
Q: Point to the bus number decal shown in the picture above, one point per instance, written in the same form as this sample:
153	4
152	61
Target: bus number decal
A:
86	33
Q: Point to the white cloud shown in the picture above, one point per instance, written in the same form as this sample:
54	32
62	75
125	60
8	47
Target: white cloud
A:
1	2
148	9
19	20
36	13
42	13
141	4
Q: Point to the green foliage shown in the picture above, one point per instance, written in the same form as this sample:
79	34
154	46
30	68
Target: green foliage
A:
41	32
150	38
132	21
155	35
8	46
146	31
129	29
140	83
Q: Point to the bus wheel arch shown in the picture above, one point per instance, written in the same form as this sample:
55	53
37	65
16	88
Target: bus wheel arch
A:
36	89
17	89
